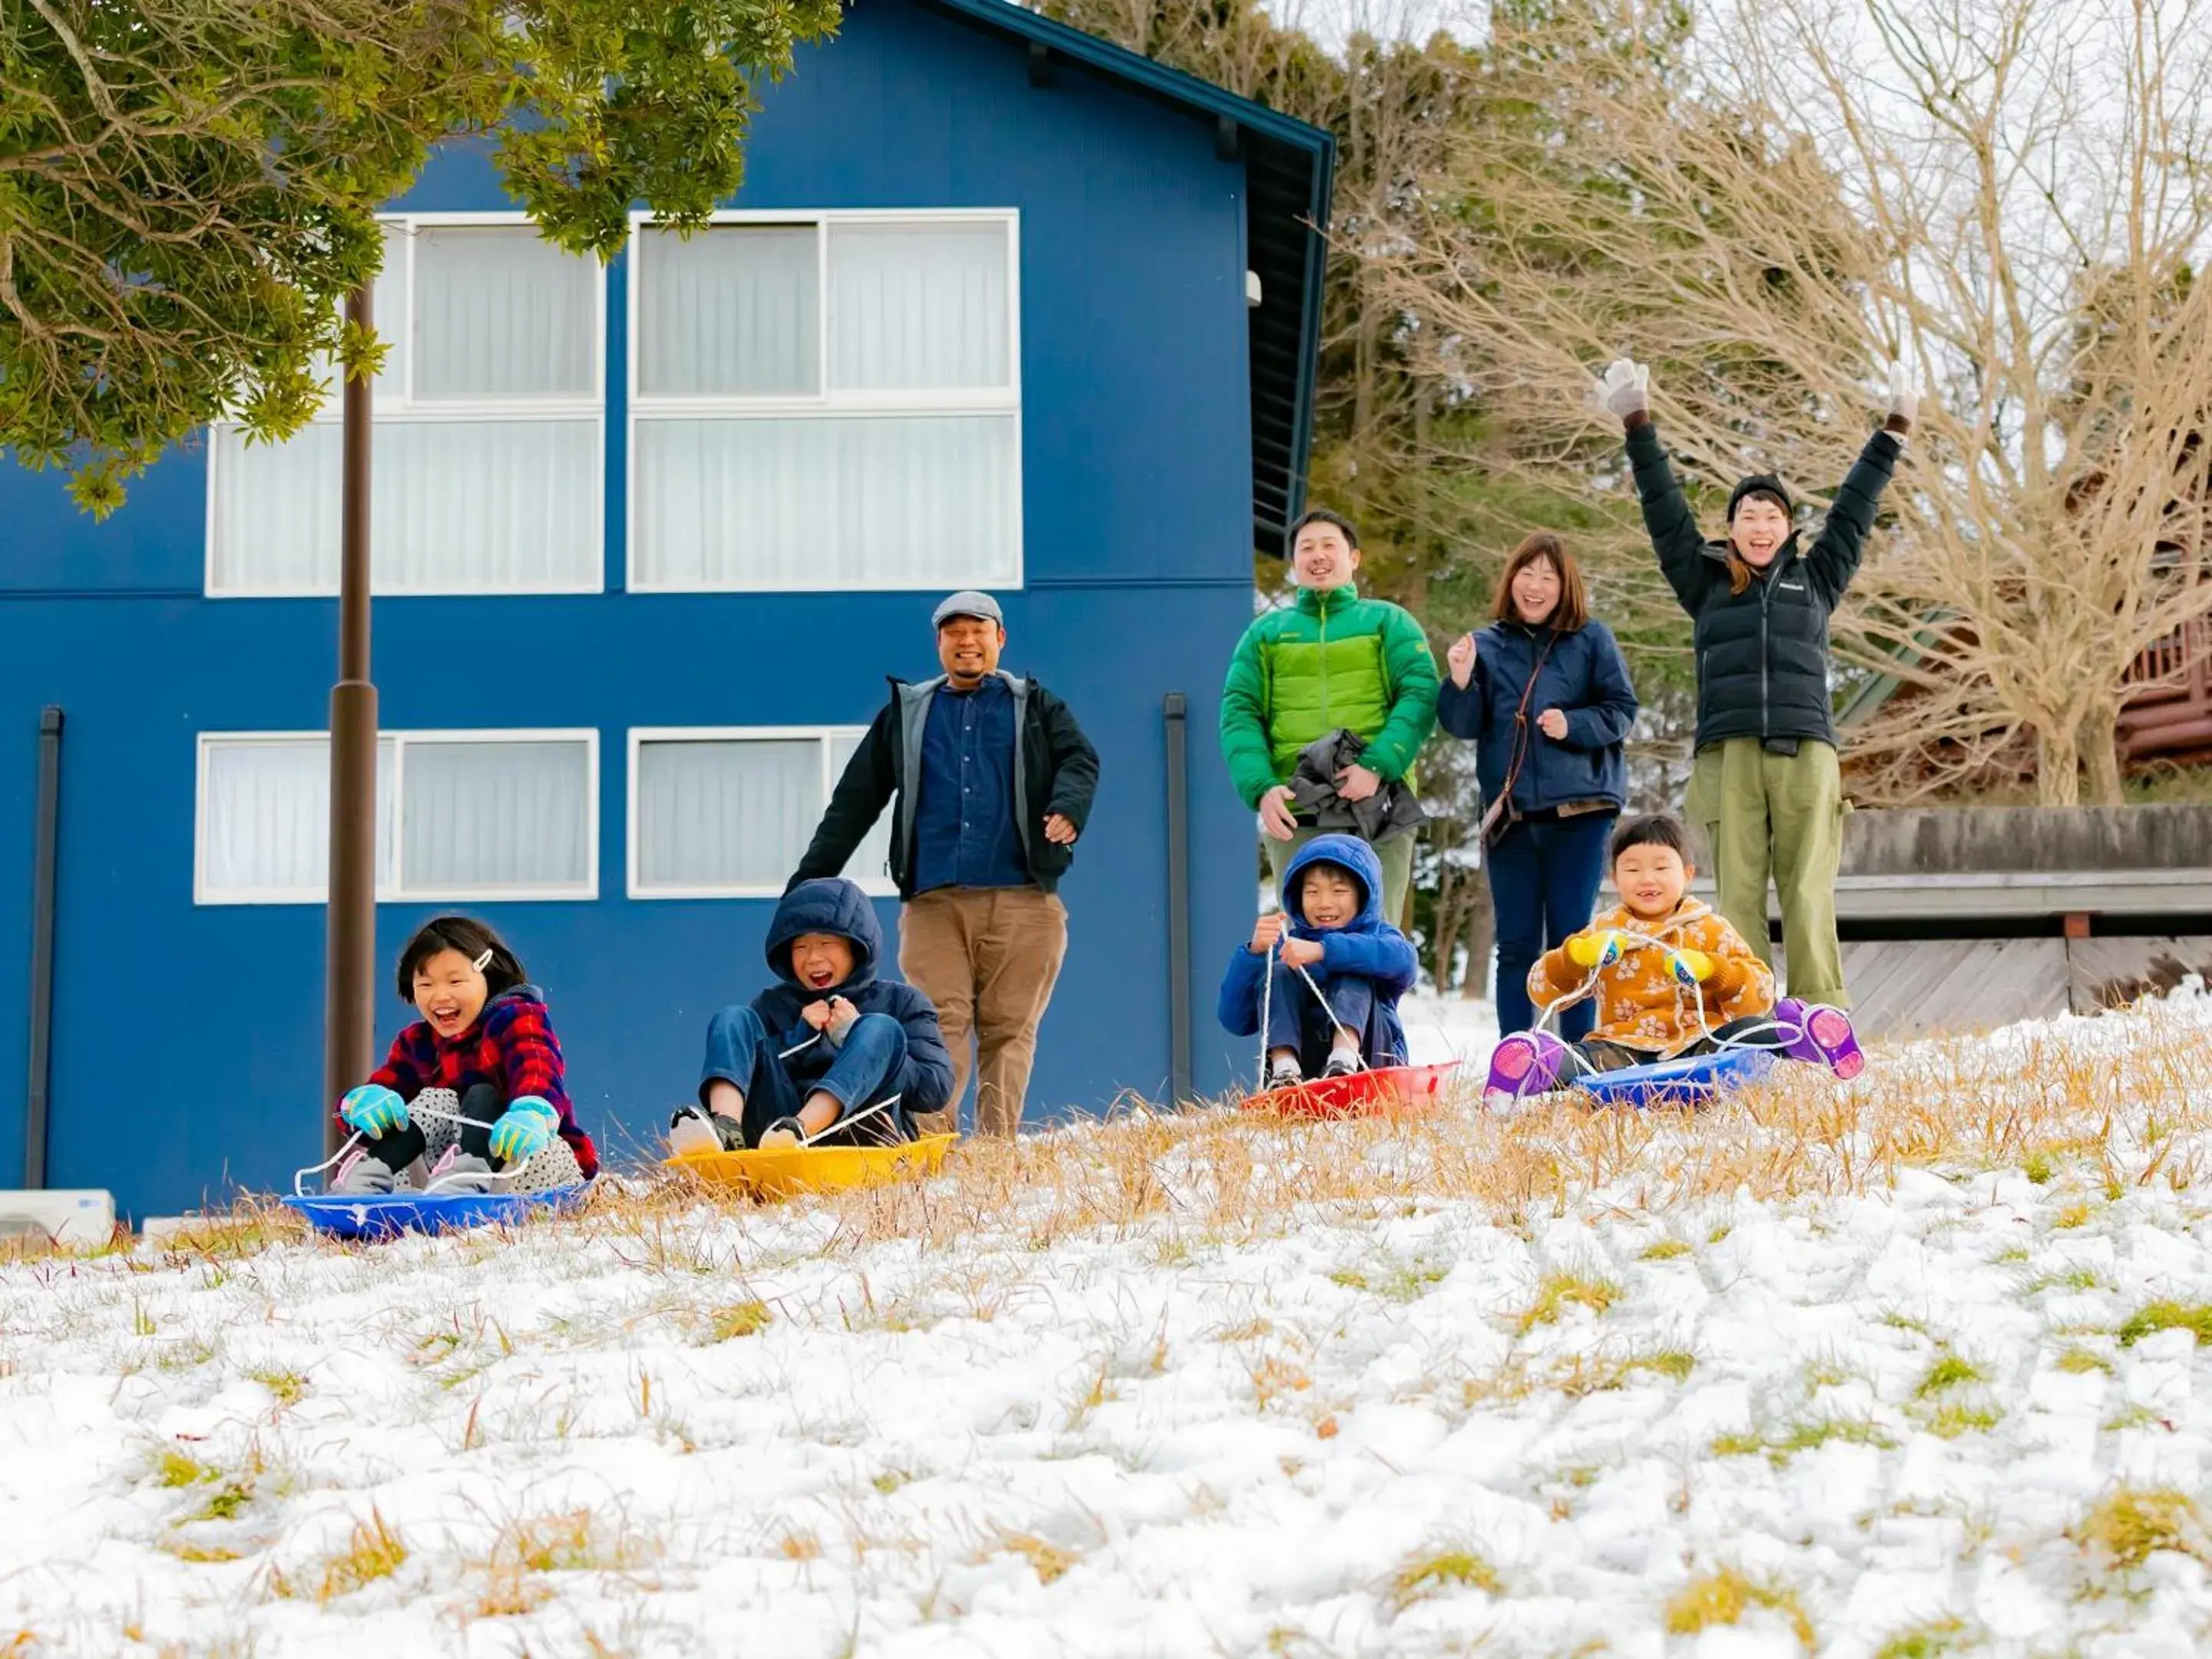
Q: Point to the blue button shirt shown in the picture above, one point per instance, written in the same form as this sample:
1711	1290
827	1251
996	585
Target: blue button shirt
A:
964	834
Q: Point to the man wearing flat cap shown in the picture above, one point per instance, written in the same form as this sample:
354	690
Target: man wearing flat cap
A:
994	779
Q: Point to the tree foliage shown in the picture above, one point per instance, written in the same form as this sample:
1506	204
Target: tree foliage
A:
188	188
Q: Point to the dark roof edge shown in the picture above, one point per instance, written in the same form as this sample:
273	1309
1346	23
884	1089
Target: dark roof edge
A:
1201	96
1324	181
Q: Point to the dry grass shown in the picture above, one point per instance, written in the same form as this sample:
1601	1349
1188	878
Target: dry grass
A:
1725	1598
1439	1572
2126	1527
374	1552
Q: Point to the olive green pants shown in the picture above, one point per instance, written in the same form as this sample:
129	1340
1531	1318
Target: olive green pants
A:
1782	816
1396	854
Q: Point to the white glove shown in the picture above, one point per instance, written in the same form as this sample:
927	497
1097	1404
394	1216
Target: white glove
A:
1903	395
1625	388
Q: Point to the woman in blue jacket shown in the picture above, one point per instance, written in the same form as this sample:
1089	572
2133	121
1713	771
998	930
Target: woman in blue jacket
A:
1543	693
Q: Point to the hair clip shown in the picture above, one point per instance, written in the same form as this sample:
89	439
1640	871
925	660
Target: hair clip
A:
480	963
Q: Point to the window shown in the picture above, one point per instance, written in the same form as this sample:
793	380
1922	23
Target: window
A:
487	445
459	816
721	813
826	402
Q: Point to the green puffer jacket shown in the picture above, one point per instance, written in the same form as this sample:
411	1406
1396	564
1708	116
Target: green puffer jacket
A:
1332	660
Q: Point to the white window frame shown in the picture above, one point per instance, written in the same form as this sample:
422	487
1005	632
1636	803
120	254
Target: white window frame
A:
404	407
874	883
826	402
397	891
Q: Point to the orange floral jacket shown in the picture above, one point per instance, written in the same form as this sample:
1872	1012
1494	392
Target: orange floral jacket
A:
1640	1005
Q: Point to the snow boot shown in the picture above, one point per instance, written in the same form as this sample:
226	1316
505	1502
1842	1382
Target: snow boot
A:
461	1172
1823	1037
695	1129
1526	1063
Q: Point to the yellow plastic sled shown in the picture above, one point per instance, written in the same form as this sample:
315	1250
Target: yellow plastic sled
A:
787	1169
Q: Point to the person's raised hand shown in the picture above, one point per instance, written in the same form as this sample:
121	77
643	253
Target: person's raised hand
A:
1594	948
1357	782
1691	967
816	1014
1301	953
1275	815
1269	930
1625	388
1553	724
1459	660
1903	399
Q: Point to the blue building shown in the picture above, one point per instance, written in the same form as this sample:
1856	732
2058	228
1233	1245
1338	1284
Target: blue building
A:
1001	307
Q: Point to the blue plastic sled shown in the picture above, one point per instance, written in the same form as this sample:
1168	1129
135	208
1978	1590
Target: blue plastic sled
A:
1689	1082
389	1216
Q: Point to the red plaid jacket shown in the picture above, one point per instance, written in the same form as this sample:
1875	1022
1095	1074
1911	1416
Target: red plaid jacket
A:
512	1046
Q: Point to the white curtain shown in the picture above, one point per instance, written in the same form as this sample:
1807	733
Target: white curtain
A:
715	813
265	819
925	501
456	506
496	815
734	310
918	308
497	312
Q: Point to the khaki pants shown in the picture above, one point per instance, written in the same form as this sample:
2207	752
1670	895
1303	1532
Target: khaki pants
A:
1396	854
1784	815
987	957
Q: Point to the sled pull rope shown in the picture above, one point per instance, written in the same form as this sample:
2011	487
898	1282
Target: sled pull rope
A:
299	1177
1266	997
1335	1023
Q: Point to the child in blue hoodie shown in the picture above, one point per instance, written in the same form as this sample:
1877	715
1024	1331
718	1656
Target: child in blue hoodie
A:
1332	903
830	1041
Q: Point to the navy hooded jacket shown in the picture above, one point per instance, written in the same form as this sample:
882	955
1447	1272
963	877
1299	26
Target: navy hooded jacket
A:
1367	946
1584	677
828	905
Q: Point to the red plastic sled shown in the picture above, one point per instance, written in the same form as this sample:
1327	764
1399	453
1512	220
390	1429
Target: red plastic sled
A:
1358	1094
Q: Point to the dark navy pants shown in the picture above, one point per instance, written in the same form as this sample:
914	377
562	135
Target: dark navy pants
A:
861	1071
1296	1021
1544	877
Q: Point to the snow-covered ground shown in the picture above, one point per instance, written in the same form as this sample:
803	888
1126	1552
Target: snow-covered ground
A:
1906	1368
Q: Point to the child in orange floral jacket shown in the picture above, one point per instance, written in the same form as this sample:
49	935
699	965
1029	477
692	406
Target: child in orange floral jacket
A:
1672	978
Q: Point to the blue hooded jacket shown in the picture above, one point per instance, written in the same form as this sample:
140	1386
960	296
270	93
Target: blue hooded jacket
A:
1367	946
1584	676
827	905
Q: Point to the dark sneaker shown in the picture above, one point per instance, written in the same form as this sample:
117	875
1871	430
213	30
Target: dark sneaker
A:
782	1135
1342	1064
1283	1073
364	1177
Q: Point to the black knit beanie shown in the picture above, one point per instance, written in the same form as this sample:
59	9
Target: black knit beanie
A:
1761	484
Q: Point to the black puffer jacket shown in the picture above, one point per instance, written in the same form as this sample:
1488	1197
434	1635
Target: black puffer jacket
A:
1762	654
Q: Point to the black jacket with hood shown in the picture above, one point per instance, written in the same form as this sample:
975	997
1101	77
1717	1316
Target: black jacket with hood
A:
1055	771
1762	654
924	1082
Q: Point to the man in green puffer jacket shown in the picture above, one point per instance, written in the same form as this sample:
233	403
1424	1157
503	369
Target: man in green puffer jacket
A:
1332	661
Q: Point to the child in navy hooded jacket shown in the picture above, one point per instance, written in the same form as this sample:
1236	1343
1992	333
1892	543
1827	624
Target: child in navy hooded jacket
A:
1335	931
828	1041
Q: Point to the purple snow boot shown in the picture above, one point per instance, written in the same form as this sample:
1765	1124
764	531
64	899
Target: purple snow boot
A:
1824	1036
1526	1063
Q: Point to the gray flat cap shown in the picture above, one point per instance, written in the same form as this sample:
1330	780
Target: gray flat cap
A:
969	603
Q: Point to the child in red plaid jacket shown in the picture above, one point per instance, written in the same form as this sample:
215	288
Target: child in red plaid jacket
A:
478	1078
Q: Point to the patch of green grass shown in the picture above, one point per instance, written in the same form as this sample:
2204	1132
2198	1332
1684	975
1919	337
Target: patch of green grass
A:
1738	1445
2126	1528
1420	1577
1925	1641
2136	1417
1949	1371
2074	1215
1725	1597
2168	1316
1952	1419
1665	1249
2011	1254
289	1387
738	1319
2040	1166
1556	1292
1719	1233
175	1468
2079	1360
888	1482
1672	1364
2074	1279
1394	1281
1809	1434
230	1501
1898	1321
